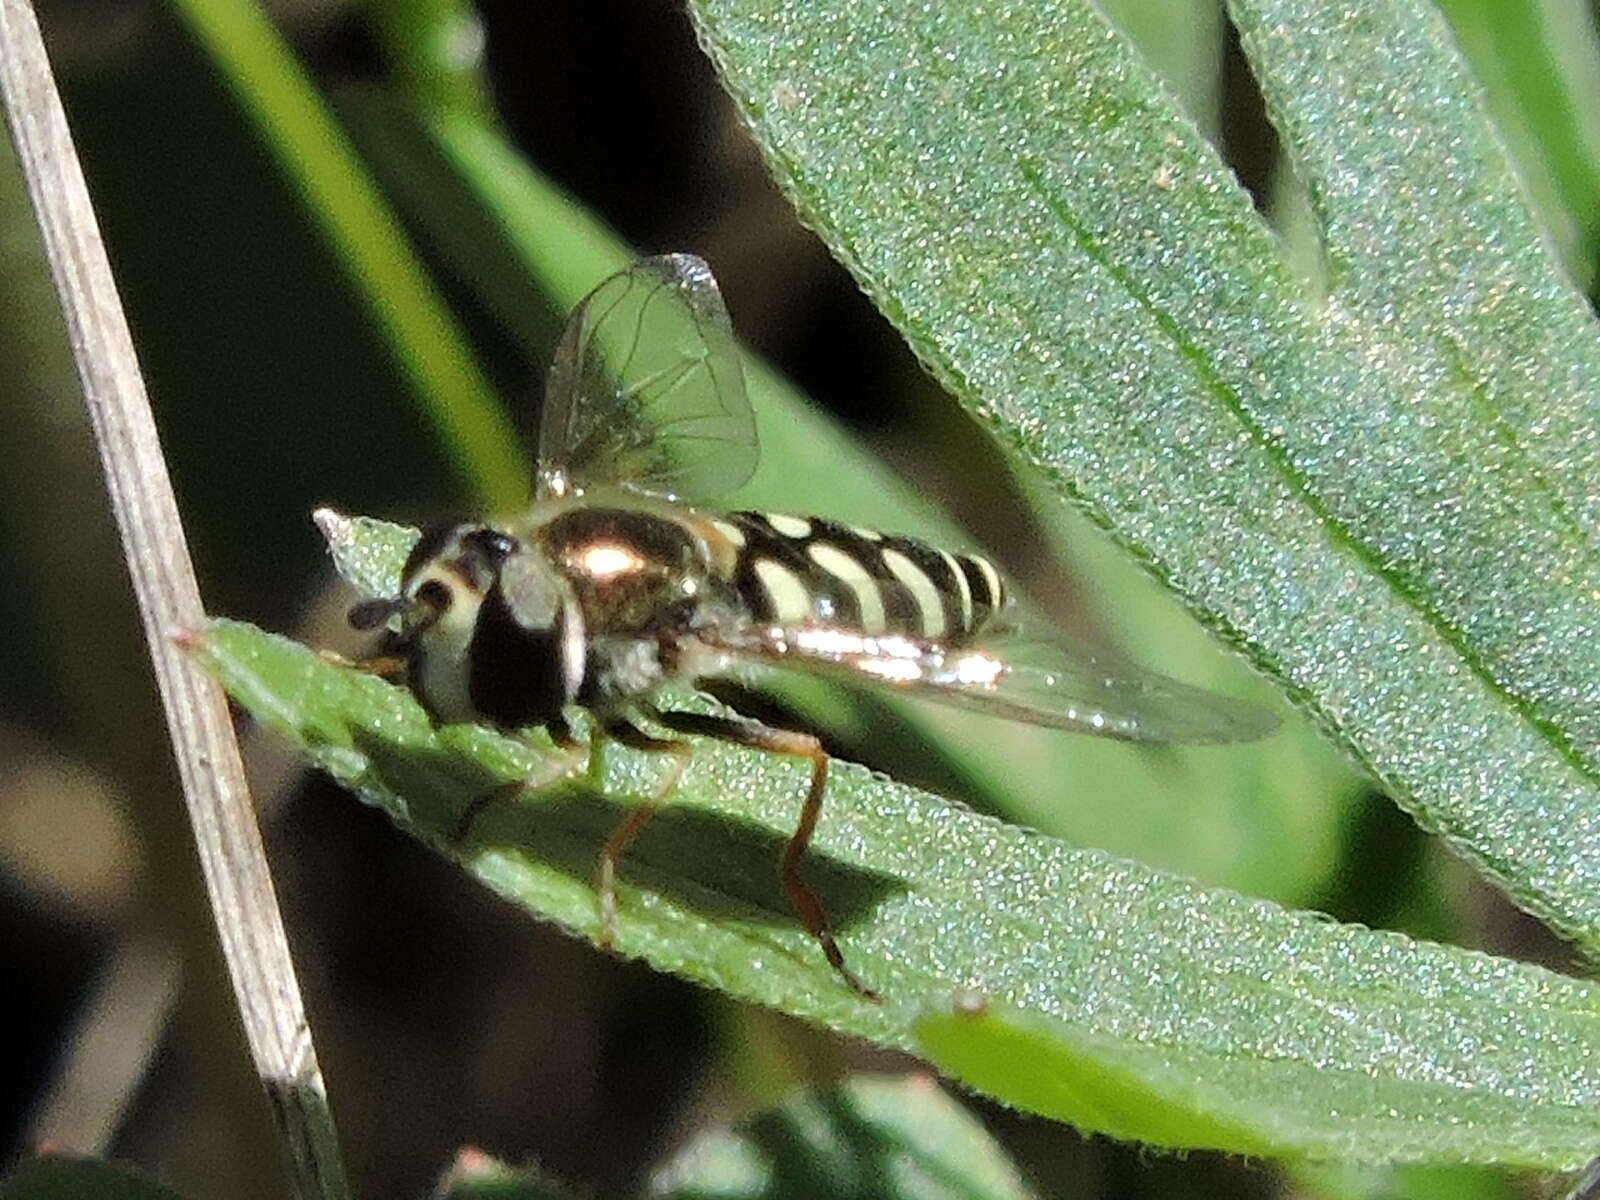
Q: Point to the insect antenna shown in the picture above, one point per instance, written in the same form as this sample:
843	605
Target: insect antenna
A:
369	614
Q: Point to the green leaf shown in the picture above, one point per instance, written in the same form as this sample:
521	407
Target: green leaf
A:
367	553
1326	1182
931	900
1382	494
434	50
1186	1097
869	1139
1539	62
78	1179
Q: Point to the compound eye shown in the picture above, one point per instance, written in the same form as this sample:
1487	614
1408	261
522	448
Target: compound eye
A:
495	545
436	596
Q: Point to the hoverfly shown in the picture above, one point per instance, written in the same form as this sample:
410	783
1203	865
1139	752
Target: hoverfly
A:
612	585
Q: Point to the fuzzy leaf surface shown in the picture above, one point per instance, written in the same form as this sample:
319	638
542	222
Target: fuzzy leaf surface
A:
1382	494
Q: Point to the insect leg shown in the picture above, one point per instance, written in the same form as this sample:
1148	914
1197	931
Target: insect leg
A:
572	750
745	732
384	666
605	881
561	733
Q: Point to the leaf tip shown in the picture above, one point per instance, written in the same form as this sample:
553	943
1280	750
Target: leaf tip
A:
333	524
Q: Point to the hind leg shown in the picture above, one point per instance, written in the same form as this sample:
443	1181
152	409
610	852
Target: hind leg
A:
745	732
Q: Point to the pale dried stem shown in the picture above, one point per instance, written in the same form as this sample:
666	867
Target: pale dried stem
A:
1588	1185
220	812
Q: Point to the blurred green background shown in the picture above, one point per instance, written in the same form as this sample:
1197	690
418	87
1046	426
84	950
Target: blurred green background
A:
295	358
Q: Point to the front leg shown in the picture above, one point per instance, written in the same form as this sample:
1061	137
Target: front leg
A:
574	756
605	882
389	667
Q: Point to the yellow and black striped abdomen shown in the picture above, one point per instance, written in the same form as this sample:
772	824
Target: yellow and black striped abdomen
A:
799	571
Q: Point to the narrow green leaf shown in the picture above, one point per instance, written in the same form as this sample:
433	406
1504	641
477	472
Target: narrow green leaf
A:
1102	1084
435	51
869	1139
1343	1182
425	338
56	1178
1539	62
1471	499
932	901
476	1176
1382	495
1148	1089
365	551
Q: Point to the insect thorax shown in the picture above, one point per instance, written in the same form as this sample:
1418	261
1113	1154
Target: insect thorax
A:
643	578
633	571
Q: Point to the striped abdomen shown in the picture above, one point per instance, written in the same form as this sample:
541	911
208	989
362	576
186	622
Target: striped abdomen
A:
797	571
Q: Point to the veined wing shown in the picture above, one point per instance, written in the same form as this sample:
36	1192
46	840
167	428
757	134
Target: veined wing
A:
1036	683
646	390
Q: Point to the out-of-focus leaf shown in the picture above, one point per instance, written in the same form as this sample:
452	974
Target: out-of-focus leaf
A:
426	341
1539	63
1323	1182
1182	42
476	1176
78	1179
869	1139
1382	494
435	51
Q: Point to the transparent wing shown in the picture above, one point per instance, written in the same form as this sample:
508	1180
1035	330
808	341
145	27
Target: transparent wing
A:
1039	683
646	390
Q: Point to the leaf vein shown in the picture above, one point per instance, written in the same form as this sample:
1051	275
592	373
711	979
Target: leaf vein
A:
1338	532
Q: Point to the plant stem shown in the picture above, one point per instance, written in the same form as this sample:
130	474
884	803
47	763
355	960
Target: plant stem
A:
1588	1185
220	811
